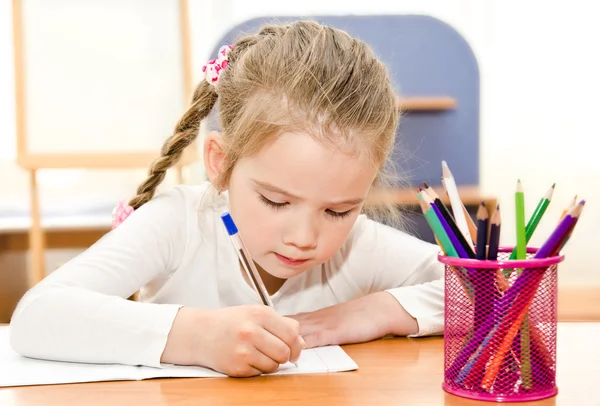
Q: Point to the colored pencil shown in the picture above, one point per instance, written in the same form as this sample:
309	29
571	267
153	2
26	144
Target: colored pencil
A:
492	369
520	221
436	226
470	222
521	250
536	217
482	227
549	248
539	211
494	234
555	242
455	202
445	213
525	327
485	277
435	223
571	205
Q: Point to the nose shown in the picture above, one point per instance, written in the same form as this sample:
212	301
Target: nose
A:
302	234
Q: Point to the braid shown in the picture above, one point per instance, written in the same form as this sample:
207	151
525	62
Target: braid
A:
186	130
185	133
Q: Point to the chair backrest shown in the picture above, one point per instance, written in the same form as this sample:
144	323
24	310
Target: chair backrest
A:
425	57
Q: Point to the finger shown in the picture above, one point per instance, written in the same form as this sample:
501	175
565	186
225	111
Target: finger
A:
298	344
241	365
264	363
272	347
288	331
303	346
243	371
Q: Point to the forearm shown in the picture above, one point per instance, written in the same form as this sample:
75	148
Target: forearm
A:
181	348
78	325
425	303
399	321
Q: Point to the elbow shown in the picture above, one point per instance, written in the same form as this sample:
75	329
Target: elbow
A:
24	331
18	325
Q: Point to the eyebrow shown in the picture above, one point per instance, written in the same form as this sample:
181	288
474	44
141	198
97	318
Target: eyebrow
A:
276	189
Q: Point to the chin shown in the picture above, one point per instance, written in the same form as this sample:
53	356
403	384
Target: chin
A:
283	272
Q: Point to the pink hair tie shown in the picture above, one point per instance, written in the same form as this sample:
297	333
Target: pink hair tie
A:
120	213
213	68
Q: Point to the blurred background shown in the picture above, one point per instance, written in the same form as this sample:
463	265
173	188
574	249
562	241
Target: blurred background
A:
89	89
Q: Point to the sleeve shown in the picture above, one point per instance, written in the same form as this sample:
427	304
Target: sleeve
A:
384	258
80	312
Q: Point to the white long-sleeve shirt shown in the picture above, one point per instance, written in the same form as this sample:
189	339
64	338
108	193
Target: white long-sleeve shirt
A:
177	250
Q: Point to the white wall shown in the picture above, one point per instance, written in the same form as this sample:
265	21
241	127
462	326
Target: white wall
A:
539	87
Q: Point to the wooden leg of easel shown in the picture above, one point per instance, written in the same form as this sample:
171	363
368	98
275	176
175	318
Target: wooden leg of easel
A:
37	243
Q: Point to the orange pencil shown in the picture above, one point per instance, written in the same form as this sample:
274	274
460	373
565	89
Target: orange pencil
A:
492	370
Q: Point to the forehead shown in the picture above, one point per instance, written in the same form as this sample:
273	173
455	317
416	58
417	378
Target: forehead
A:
297	162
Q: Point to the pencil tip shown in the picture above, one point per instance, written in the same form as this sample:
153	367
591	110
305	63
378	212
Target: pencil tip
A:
483	203
418	189
498	206
582	202
425	185
554	184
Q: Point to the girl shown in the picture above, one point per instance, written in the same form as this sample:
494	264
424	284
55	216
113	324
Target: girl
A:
309	118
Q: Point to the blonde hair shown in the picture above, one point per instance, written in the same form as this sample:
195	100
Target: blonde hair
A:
301	76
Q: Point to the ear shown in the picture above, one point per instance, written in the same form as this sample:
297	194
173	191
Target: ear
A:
214	158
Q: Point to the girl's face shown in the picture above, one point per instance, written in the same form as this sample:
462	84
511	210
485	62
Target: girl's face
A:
296	201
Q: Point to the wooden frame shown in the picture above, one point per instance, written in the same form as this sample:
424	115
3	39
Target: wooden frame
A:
105	160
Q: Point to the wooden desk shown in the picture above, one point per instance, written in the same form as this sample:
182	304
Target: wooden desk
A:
396	371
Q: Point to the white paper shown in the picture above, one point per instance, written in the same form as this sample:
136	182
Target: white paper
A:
20	371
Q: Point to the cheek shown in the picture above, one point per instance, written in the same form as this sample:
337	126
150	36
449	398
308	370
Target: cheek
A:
333	237
254	221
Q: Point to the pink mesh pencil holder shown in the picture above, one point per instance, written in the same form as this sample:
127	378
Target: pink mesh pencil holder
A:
500	327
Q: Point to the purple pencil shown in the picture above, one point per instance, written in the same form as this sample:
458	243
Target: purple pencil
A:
479	291
552	244
453	239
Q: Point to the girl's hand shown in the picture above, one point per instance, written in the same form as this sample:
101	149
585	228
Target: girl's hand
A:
364	319
239	341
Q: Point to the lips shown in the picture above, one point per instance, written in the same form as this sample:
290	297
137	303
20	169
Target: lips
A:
291	261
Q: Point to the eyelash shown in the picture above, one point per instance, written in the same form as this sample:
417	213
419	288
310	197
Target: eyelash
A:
277	206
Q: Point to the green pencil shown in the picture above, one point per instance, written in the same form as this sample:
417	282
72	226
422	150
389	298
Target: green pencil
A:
520	219
436	226
535	218
425	201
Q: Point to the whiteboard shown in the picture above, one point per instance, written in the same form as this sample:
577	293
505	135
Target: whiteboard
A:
101	76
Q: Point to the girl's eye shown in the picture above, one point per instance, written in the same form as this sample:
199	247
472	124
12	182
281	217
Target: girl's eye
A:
280	205
337	214
272	204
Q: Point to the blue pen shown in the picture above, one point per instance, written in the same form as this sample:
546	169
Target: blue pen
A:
246	260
